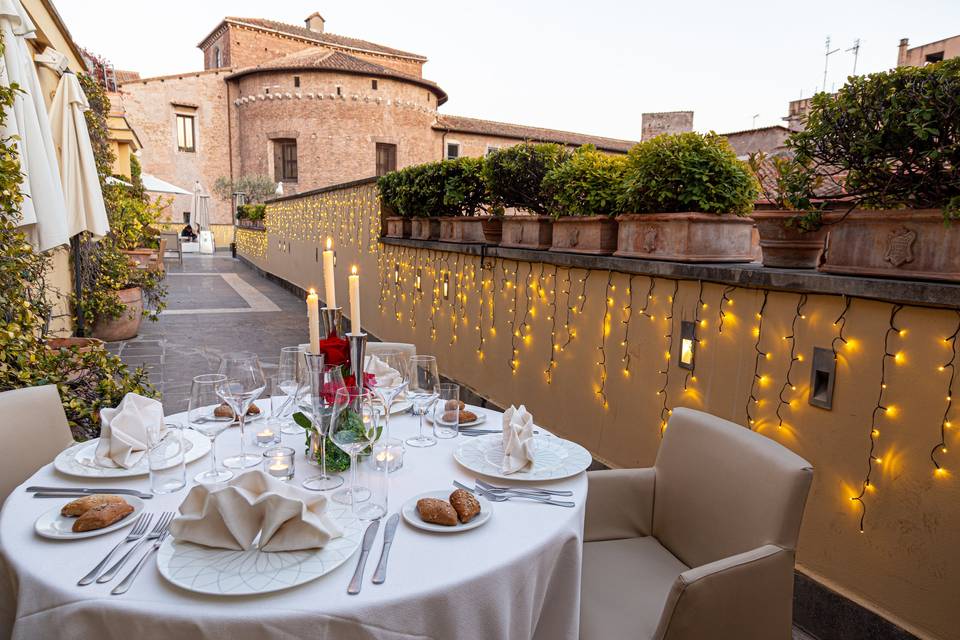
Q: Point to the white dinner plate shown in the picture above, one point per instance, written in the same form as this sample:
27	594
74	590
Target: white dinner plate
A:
400	406
79	460
53	525
224	572
481	418
410	514
553	458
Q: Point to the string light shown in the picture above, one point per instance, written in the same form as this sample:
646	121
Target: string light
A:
788	382
551	365
753	400
691	373
604	330
841	323
513	323
878	411
628	314
941	447
724	299
665	372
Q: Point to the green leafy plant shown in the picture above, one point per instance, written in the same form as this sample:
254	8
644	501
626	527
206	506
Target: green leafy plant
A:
432	189
256	188
337	459
587	183
887	140
788	185
514	175
252	212
687	172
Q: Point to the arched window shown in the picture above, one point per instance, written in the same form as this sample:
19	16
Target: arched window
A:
216	58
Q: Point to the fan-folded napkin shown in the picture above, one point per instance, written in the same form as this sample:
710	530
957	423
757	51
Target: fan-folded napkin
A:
386	375
230	516
127	431
517	440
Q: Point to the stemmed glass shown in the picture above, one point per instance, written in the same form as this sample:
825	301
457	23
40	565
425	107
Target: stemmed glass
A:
354	428
423	390
324	381
291	377
200	417
242	384
389	370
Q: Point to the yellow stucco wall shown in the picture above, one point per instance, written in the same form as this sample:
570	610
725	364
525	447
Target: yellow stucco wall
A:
905	563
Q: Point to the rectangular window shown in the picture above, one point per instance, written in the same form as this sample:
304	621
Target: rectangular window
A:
386	158
186	217
453	150
296	81
285	160
373	84
185	133
492	149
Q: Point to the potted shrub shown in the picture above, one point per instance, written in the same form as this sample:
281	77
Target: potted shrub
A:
467	217
687	195
393	188
791	218
252	216
585	193
514	179
890	144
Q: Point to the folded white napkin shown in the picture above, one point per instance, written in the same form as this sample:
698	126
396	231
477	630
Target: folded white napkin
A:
127	431
230	516
517	440
386	375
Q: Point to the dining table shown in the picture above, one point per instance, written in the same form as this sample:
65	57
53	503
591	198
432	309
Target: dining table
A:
515	577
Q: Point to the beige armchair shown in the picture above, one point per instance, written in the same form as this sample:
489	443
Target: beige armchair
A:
35	429
698	547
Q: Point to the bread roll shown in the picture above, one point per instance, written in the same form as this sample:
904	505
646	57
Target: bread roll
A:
436	511
465	504
81	505
102	516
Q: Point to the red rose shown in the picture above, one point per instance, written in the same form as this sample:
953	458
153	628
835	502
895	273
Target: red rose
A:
336	351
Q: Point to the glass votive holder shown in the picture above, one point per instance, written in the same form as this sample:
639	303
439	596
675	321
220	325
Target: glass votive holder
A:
278	462
266	434
387	455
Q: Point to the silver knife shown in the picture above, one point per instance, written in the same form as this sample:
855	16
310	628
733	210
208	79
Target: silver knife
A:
74	495
380	574
368	538
130	492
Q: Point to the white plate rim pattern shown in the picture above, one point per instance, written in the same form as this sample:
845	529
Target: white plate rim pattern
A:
65	462
337	552
137	504
471	454
409	511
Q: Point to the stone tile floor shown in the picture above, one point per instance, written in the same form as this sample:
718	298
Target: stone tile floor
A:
217	304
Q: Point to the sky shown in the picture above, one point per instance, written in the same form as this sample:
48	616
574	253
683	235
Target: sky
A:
591	67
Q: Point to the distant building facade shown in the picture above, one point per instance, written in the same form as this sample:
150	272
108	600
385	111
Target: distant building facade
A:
929	53
306	107
656	124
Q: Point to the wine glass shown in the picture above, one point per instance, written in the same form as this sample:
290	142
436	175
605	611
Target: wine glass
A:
291	378
242	384
200	417
354	428
389	371
423	390
323	383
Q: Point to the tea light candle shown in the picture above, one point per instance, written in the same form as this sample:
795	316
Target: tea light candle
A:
266	437
278	462
388	455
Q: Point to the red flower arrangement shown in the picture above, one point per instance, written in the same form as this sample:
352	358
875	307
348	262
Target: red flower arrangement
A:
336	352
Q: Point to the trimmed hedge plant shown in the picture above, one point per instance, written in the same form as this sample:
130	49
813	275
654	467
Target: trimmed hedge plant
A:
588	183
687	172
433	189
514	175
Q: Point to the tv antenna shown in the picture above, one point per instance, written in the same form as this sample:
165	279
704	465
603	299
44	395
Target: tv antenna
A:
826	62
755	116
856	54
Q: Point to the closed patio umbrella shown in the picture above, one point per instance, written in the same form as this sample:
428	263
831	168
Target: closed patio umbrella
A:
156	185
78	167
43	207
200	216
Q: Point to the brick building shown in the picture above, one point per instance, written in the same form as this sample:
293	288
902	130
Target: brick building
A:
929	53
306	107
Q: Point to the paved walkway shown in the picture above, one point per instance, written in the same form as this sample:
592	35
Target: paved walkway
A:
215	304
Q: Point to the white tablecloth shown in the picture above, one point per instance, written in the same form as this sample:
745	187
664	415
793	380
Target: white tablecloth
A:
516	577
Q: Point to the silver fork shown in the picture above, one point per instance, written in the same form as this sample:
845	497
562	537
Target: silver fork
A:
139	528
124	585
535	490
158	530
503	497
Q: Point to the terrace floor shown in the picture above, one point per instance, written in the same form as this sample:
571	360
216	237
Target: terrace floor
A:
217	304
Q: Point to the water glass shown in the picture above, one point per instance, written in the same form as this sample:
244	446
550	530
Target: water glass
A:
423	388
376	485
292	383
446	414
168	465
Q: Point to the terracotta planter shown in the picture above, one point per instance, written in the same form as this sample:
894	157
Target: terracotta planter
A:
128	324
894	244
471	229
425	228
786	247
685	237
83	345
256	225
527	232
398	227
595	235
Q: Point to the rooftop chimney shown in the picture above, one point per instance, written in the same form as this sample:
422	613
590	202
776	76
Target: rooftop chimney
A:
902	52
655	124
315	22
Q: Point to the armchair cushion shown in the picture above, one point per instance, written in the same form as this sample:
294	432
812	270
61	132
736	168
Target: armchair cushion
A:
620	504
624	585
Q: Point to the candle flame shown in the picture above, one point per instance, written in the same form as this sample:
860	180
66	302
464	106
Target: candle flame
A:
313	291
329	243
353	270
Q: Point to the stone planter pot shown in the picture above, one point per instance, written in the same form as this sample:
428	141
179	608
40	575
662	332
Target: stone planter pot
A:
256	225
471	229
398	227
786	247
894	244
128	324
595	235
685	237
425	228
527	232
83	345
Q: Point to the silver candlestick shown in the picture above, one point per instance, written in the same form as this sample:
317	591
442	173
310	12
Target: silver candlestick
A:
358	347
331	319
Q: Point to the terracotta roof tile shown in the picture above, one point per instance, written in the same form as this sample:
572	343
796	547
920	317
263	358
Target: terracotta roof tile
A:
533	134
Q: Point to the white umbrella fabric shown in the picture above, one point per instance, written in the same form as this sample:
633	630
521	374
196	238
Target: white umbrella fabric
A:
78	167
156	185
43	206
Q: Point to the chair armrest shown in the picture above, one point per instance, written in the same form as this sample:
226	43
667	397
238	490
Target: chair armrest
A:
619	504
748	596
